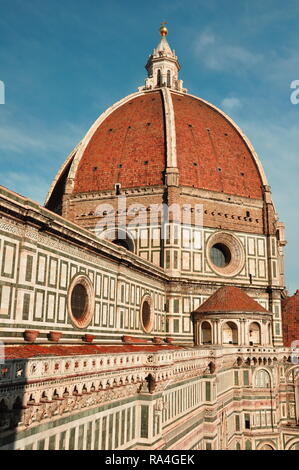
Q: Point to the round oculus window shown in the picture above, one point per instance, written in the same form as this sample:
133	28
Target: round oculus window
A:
81	301
147	314
225	254
220	255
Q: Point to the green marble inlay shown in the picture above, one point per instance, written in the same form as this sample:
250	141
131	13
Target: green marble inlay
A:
123	423
41	444
246	377
81	437
72	439
29	264
133	423
144	421
128	424
208	391
116	430
97	434
110	431
104	425
52	443
62	441
89	436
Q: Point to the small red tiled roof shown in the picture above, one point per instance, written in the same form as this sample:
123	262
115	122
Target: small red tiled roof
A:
37	350
230	299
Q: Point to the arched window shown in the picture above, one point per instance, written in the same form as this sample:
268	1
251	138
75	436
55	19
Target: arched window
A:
168	78
230	333
262	379
206	333
159	78
122	243
254	334
119	237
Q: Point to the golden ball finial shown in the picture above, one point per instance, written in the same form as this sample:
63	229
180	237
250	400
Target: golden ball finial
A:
163	29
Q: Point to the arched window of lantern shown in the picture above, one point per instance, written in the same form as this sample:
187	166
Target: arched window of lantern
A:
168	78
159	77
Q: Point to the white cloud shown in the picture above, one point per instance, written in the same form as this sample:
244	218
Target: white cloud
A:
230	104
205	40
217	55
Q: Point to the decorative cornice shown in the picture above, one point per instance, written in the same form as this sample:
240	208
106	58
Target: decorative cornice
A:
108	194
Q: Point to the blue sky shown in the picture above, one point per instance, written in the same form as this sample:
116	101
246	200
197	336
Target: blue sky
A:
64	62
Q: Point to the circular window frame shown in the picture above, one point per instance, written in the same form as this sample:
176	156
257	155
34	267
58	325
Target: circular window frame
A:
237	254
84	281
147	298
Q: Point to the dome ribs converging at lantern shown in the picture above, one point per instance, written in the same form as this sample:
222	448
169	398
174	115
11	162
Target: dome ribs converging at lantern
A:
128	148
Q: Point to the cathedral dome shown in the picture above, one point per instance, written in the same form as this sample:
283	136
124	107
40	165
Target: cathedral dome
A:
127	145
135	142
129	148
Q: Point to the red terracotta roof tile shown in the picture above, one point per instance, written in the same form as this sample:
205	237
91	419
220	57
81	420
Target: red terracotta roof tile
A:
27	351
129	148
230	299
211	154
290	319
130	136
